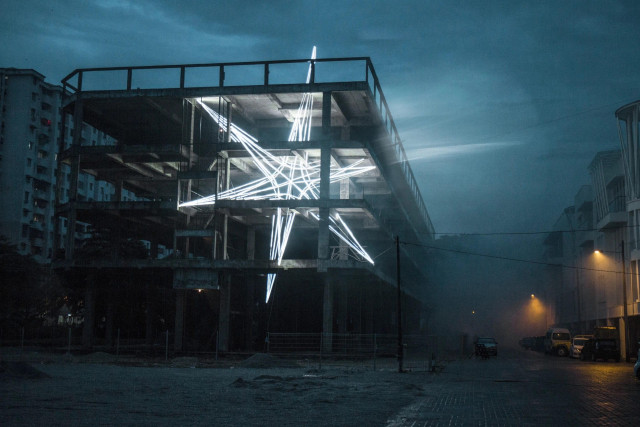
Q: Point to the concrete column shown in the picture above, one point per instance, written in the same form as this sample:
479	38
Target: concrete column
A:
224	313
368	299
153	249
118	191
326	115
327	314
325	172
73	179
356	308
179	325
250	288
344	194
341	293
225	226
251	243
109	318
149	316
89	312
227	136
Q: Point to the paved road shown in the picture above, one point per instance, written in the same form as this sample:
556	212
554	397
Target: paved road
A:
521	388
527	388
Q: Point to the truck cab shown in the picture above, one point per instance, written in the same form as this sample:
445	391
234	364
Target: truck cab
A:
557	341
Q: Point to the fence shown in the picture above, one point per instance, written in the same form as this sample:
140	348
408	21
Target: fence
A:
420	352
56	338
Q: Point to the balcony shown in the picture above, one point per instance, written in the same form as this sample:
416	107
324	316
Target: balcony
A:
584	199
616	215
43	139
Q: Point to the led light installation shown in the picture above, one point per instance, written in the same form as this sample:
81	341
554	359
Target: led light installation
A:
286	178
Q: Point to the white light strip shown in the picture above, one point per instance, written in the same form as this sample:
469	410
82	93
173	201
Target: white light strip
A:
285	178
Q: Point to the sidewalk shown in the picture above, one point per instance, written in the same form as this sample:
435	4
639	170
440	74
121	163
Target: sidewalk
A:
526	389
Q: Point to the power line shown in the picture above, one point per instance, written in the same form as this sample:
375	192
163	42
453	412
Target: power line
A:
509	233
549	264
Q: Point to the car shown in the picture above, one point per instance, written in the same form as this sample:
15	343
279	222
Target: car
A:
596	348
576	345
486	347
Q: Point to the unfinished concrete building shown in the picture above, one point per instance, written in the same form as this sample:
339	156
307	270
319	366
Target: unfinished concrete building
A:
280	185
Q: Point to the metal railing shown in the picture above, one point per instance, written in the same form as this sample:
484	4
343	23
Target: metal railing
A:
73	83
419	351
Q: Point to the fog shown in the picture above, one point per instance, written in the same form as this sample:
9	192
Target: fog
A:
482	285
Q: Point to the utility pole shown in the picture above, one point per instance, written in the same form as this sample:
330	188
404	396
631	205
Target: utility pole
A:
400	346
624	307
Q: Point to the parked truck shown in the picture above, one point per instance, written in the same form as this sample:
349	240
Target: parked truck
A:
604	345
557	341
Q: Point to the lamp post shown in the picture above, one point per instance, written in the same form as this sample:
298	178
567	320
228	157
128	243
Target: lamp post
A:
624	303
624	307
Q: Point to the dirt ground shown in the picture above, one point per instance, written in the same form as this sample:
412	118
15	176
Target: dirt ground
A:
101	389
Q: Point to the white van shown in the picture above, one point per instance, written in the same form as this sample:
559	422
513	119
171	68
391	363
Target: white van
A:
557	341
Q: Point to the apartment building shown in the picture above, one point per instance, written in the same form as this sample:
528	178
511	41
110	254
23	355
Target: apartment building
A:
32	126
594	248
30	122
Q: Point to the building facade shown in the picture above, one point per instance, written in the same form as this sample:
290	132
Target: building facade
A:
31	132
30	121
594	248
281	201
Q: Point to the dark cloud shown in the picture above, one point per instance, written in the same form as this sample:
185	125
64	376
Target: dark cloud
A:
501	104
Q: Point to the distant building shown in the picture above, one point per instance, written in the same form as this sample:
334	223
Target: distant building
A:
31	129
30	122
592	244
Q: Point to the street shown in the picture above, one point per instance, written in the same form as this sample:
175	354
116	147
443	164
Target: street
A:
527	388
518	388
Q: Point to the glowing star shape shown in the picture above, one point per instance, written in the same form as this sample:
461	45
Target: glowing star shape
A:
286	178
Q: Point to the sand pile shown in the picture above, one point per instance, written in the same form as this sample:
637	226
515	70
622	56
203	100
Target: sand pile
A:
184	362
98	357
263	360
17	370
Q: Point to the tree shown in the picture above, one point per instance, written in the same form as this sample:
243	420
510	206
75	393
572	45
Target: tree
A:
29	292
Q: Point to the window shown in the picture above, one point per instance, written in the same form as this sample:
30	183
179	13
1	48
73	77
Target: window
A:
26	197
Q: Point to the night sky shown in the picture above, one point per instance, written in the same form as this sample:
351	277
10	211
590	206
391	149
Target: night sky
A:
501	104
